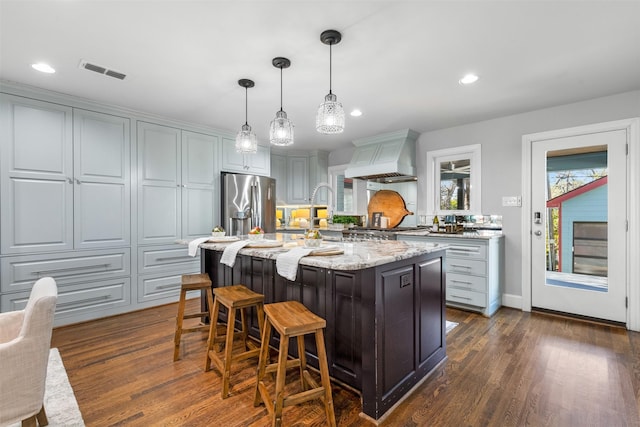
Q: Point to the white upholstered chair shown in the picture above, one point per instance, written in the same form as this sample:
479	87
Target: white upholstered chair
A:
25	339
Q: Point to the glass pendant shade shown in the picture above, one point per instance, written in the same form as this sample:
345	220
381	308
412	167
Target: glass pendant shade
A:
246	141
330	117
281	130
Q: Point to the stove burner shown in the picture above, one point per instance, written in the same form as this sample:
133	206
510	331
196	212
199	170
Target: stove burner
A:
369	233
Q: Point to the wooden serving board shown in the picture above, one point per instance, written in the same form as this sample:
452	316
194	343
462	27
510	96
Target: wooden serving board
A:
391	204
264	244
336	251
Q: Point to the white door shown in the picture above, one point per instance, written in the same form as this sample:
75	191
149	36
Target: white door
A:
579	235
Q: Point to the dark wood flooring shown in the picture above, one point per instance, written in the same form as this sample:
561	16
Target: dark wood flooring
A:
514	369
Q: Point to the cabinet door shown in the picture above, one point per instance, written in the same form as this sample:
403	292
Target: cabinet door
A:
319	173
102	207
36	155
199	183
260	162
159	159
231	160
298	179
279	173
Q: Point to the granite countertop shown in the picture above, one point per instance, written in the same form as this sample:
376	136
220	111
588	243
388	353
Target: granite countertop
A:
356	256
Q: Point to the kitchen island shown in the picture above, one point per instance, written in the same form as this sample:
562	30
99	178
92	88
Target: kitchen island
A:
384	304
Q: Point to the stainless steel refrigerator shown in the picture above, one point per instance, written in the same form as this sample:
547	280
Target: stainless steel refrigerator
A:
248	201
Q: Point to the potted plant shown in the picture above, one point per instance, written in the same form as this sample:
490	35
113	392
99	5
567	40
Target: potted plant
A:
347	221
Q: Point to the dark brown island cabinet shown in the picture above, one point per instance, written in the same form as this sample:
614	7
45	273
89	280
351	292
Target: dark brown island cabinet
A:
385	323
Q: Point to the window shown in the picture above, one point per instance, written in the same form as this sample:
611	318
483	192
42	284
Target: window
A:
344	190
453	177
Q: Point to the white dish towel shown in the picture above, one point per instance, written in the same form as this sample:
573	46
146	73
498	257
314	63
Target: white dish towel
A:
195	243
287	263
230	252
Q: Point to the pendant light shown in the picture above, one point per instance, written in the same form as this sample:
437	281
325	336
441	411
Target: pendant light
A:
246	141
281	129
330	117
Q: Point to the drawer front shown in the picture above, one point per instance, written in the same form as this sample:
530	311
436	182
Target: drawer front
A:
159	286
466	266
466	297
165	258
464	248
21	272
79	298
466	282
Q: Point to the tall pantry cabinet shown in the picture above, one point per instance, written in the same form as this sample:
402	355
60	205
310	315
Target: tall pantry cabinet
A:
177	184
65	205
96	197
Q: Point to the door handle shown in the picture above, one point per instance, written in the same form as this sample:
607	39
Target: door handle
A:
538	233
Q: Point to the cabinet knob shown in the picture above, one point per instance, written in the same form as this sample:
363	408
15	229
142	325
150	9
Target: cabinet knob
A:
70	181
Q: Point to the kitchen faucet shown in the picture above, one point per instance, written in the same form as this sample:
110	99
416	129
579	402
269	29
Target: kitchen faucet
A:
313	200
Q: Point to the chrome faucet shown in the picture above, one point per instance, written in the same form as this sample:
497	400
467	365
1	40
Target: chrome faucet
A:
313	200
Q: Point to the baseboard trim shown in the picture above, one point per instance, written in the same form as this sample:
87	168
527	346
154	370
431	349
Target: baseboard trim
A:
512	301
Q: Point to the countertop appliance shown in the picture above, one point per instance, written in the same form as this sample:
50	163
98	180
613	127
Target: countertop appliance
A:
247	201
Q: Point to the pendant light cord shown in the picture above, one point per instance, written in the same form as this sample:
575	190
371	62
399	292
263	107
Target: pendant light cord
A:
246	108
280	88
330	45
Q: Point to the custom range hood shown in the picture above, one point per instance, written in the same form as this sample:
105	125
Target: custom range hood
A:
386	158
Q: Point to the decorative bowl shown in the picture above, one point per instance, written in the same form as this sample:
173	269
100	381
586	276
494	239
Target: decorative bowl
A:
255	236
312	238
312	243
218	234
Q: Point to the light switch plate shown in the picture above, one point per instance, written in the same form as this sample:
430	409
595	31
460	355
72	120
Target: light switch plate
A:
511	201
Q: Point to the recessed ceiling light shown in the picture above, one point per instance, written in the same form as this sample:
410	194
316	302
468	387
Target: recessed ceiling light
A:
468	79
43	68
356	113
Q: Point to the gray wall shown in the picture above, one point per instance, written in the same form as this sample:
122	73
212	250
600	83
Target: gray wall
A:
501	141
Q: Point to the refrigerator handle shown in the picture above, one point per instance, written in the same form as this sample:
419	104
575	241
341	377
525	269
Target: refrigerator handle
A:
254	205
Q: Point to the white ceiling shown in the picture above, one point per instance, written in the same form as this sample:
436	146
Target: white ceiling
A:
399	61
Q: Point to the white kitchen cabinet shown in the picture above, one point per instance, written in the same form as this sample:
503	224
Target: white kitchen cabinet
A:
177	181
65	180
200	184
91	283
279	173
297	173
475	271
80	301
258	163
36	155
102	189
318	173
298	179
162	268
20	272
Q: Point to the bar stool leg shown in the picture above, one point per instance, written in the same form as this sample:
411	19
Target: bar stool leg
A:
245	328
231	319
303	361
324	376
280	379
213	334
263	361
179	318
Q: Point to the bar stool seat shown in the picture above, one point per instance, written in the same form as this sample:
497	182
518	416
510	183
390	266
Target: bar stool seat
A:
236	297
191	282
292	319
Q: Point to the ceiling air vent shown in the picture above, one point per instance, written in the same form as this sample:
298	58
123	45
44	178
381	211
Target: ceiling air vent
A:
102	70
